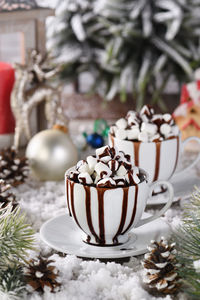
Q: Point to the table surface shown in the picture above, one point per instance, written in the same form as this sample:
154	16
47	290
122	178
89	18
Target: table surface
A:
84	278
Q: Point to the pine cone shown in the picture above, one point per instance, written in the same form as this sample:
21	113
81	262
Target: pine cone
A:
40	273
161	266
12	168
5	196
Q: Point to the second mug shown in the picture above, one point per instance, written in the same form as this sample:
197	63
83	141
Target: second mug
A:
158	159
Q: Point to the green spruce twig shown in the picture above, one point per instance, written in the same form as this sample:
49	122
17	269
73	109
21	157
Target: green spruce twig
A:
12	284
188	244
16	237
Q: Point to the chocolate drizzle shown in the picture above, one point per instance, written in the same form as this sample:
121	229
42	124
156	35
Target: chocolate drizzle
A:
134	211
157	166
123	215
71	184
100	237
177	154
67	192
100	193
136	147
88	213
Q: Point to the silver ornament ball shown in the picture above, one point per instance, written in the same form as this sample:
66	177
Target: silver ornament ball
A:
50	153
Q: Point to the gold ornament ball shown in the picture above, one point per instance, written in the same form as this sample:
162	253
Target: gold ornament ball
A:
50	153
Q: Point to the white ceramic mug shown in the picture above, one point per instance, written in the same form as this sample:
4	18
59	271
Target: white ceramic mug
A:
158	159
106	215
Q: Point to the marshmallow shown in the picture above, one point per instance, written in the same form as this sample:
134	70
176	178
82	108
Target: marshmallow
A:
85	178
109	168
106	182
113	165
146	110
167	117
149	128
157	117
136	178
102	170
120	180
128	165
97	178
131	114
132	178
106	159
144	118
121	156
113	152
74	175
121	171
121	134
145	121
103	151
113	129
121	123
132	134
165	129
92	161
80	163
155	138
85	168
128	157
143	136
133	121
129	178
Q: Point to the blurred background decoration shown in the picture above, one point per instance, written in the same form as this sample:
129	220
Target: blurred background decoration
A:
128	47
33	86
129	51
22	28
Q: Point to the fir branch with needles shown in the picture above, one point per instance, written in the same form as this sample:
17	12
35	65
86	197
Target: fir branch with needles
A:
12	282
16	237
131	46
188	245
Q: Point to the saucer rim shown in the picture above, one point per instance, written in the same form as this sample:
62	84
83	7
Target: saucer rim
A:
102	254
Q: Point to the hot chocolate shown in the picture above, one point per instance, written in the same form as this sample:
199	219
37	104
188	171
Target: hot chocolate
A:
109	168
145	126
106	196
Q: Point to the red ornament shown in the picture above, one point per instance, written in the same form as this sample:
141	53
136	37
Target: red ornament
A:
7	78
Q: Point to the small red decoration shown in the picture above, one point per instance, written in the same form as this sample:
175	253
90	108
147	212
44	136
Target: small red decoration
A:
187	114
7	78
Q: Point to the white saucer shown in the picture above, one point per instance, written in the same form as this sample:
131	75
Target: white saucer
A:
183	187
63	235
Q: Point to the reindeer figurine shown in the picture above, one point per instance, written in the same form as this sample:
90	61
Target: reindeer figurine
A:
26	95
18	102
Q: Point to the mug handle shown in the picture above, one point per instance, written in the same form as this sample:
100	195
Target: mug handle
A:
165	208
192	138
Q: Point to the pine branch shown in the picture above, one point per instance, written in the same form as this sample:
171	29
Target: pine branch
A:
188	244
16	237
12	283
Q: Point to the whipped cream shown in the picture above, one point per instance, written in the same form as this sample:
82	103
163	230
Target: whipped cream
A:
108	168
145	126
